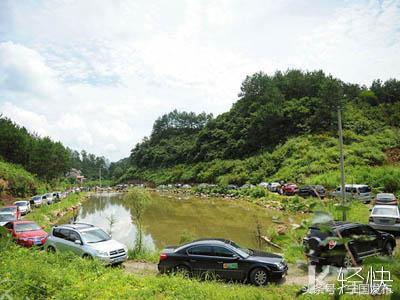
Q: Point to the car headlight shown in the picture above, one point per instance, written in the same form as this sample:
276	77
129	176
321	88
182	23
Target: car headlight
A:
102	253
280	265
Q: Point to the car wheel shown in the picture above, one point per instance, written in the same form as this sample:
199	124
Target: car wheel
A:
388	249
347	261
259	276
50	249
183	270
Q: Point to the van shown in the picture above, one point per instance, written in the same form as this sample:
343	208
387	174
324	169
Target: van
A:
360	192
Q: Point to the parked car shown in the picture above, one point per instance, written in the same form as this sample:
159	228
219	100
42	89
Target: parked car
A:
274	187
24	206
6	217
289	189
86	241
360	192
225	259
385	217
12	209
263	184
231	187
49	198
385	199
312	190
247	186
186	186
56	196
323	244
27	233
37	201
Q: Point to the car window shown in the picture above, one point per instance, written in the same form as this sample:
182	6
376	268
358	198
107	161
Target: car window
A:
369	231
353	233
364	189
201	250
60	233
386	211
223	252
73	236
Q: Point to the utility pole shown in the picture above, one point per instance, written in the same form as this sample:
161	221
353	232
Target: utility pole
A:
100	176
342	178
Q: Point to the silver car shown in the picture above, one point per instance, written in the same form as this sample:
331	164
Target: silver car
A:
49	197
86	241
24	206
361	192
385	217
6	217
37	201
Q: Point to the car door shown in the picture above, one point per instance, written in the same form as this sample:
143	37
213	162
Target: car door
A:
371	242
71	244
228	264
358	241
201	259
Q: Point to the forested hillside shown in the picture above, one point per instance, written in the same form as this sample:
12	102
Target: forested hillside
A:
28	162
283	126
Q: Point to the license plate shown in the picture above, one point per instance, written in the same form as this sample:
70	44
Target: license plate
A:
37	243
384	221
119	259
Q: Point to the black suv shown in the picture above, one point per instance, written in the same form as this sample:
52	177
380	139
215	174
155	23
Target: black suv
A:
312	190
225	259
324	243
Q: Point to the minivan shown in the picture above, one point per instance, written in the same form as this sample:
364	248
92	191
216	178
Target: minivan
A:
360	192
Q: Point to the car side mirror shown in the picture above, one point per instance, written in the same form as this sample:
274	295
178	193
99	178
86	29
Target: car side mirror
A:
78	242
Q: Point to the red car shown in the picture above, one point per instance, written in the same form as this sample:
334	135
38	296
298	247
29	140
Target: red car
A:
27	233
290	189
13	209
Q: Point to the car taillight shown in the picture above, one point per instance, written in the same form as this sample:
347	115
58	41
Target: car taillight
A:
163	256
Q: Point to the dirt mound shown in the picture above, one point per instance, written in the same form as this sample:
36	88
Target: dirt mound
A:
392	156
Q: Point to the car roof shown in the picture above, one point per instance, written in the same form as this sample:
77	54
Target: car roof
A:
214	241
76	226
22	222
340	225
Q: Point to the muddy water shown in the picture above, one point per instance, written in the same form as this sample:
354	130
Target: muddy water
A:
168	218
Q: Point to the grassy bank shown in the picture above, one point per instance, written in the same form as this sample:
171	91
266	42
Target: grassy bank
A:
47	215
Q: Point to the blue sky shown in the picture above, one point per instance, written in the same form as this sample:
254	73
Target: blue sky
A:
95	74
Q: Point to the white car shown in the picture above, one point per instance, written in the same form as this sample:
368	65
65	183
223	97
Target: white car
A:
274	187
385	217
6	217
24	206
49	197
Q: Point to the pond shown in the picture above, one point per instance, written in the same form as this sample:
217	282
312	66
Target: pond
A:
169	218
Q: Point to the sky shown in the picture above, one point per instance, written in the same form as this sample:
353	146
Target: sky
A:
95	74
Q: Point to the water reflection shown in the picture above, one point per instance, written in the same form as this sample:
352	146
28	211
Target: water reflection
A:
168	218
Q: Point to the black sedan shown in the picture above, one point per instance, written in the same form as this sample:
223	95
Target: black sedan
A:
225	259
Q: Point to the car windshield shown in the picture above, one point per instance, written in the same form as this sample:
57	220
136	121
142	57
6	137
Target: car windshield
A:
385	197
22	227
6	217
20	203
95	236
8	209
386	211
241	250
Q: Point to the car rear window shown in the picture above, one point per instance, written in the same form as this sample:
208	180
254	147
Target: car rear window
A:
386	211
364	189
385	197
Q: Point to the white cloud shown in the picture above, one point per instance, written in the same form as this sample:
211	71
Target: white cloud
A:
96	74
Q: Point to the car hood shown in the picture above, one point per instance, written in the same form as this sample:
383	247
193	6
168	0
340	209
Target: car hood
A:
31	234
108	246
265	257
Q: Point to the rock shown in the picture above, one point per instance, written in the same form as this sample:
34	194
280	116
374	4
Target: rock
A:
281	229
